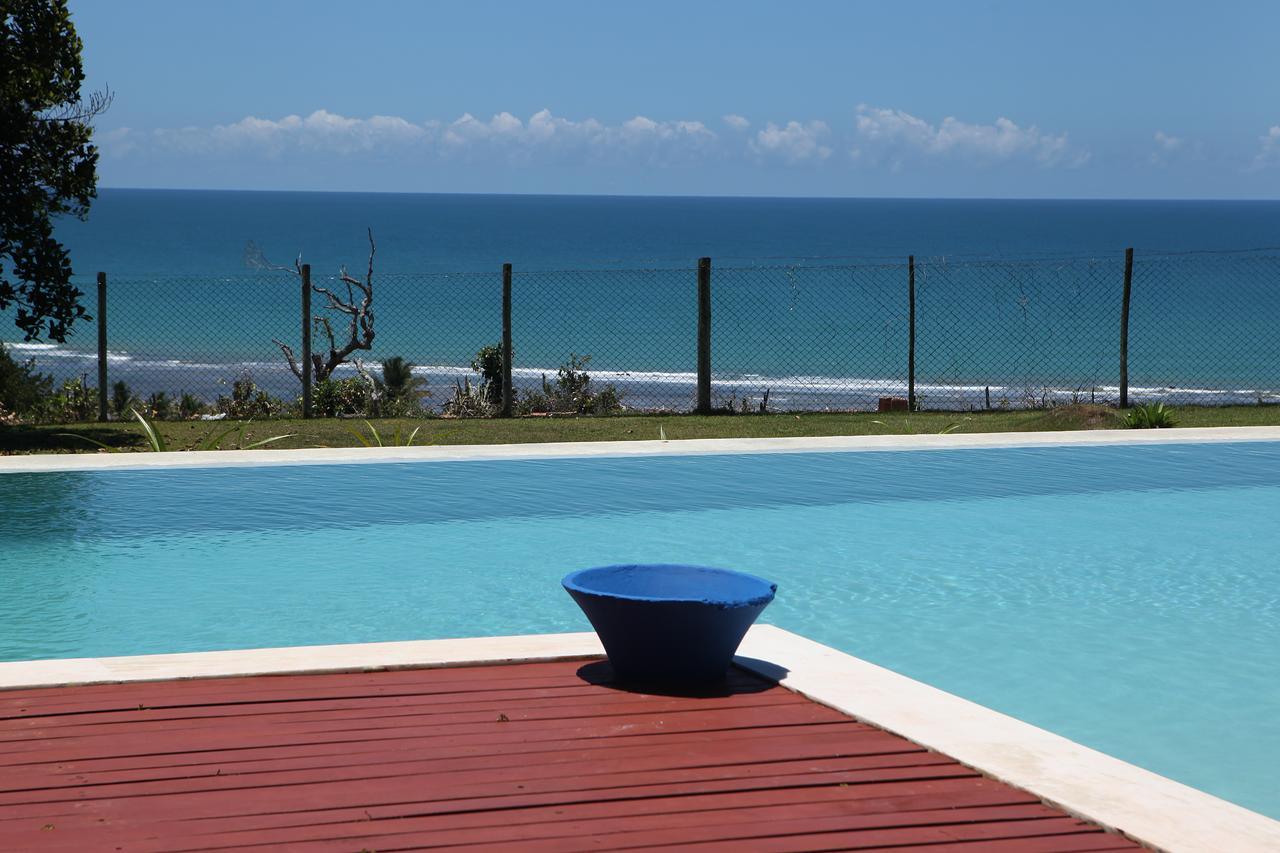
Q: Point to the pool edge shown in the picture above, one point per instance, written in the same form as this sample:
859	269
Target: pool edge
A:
34	463
1142	805
1145	806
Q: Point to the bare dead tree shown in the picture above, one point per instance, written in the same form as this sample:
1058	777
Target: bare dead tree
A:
357	307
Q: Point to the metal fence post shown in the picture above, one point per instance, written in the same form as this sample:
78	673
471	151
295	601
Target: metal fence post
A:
704	336
1124	329
508	393
911	333
102	346
306	340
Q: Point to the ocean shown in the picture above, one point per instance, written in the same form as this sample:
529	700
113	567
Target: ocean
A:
1017	300
200	233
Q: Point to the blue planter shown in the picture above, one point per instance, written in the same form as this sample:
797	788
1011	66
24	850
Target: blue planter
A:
669	624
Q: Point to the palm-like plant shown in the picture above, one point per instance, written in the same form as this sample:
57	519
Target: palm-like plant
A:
399	381
122	399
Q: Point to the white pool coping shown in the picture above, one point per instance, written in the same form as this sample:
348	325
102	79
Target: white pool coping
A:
1144	806
602	449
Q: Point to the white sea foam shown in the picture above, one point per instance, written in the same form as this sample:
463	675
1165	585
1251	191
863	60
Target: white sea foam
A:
39	350
642	389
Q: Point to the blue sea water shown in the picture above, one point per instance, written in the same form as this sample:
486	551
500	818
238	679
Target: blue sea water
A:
1125	597
809	295
203	233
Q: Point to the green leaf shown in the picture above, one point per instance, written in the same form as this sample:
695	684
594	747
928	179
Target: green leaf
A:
214	438
153	436
360	438
268	440
86	438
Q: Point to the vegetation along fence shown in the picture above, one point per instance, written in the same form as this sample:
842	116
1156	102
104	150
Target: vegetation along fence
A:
936	333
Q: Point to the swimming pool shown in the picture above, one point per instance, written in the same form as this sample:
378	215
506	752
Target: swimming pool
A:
1126	597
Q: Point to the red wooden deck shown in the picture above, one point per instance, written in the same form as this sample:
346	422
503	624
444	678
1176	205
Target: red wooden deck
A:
528	757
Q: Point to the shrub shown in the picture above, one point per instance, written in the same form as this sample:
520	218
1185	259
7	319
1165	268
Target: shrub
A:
75	400
334	397
469	401
745	406
160	406
488	363
190	406
572	392
122	399
399	382
402	392
1150	416
21	387
247	401
484	399
606	401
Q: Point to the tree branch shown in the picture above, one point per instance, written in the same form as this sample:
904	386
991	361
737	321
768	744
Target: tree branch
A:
360	324
288	354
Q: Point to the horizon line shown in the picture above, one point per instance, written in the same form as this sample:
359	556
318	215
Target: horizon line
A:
744	196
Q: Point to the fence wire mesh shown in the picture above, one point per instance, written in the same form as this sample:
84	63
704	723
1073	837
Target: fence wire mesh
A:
1008	333
1203	329
810	338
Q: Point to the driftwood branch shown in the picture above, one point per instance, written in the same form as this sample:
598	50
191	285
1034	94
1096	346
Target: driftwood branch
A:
288	354
357	306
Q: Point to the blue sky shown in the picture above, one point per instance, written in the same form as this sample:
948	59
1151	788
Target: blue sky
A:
946	99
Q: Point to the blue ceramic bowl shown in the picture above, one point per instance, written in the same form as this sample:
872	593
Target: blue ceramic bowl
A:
668	623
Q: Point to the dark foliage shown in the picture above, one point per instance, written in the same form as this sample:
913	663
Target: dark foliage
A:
21	387
47	162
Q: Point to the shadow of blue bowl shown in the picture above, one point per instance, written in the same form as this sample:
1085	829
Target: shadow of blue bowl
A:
669	624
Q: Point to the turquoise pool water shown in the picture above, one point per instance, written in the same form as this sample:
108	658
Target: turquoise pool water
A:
1125	597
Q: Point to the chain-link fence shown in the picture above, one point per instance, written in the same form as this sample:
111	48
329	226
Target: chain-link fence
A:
1005	333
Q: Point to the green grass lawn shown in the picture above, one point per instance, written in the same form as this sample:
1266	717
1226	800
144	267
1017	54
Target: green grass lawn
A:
337	433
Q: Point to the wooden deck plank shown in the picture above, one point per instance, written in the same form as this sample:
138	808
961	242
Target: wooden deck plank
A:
442	681
426	778
850	833
491	731
527	755
408	762
383	798
197	703
894	796
146	722
978	838
444	750
623	831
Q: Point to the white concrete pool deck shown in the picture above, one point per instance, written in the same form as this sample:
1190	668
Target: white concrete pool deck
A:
605	449
1146	807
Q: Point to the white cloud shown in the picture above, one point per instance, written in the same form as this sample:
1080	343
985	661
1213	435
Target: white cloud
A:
793	142
1165	142
1166	147
551	136
1269	153
119	142
879	137
642	129
320	131
893	135
543	134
